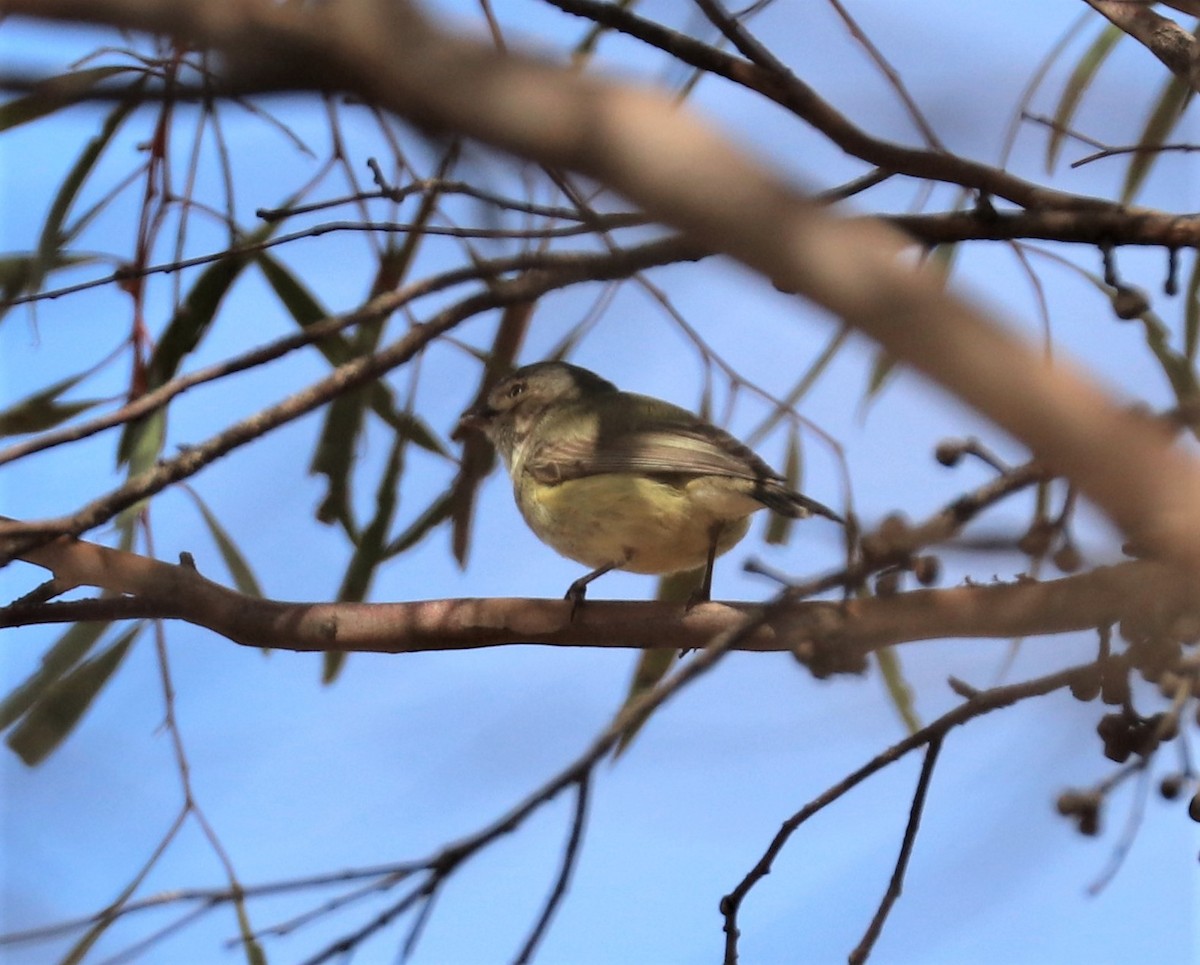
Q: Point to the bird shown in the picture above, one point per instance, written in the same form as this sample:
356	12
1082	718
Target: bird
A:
620	481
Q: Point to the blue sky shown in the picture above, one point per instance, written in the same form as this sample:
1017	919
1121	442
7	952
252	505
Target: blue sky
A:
405	753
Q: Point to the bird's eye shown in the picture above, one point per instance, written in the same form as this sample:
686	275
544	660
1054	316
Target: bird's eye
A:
516	389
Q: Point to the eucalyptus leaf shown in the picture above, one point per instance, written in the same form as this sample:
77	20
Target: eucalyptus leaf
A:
60	707
1077	84
239	570
55	93
63	654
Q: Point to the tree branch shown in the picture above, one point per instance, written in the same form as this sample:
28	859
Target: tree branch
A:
816	631
1175	47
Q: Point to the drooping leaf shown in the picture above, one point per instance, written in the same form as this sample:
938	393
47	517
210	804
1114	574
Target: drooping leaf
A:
53	236
407	424
29	273
437	512
883	367
898	688
42	409
303	306
187	327
395	261
54	715
142	441
335	455
195	315
239	570
806	381
24	272
779	527
55	93
1191	309
1175	366
38	414
656	663
941	259
1163	118
64	654
250	945
1077	84
370	549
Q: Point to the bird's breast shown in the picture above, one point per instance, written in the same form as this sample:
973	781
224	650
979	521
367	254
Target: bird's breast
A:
658	527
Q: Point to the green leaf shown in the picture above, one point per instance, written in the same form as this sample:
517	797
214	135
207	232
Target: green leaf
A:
332	662
411	427
301	304
304	308
66	651
1079	81
335	454
52	237
21	273
254	951
239	570
1168	109
651	667
882	370
369	551
656	663
55	714
195	315
42	410
898	688
806	381
437	512
1191	321
779	528
49	255
1175	367
942	258
40	414
55	93
142	440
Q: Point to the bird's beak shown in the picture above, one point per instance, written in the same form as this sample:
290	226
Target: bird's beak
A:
477	418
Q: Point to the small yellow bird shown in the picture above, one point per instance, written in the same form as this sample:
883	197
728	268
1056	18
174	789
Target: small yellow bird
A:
616	480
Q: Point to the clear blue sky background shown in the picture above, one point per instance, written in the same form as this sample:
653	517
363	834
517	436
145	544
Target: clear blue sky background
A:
405	753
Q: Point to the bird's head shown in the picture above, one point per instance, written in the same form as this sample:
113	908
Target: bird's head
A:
519	401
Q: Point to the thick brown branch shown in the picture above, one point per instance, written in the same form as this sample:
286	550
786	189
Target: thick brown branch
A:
1139	227
814	630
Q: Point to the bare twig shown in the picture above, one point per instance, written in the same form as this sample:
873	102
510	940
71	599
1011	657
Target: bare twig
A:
570	855
895	885
985	702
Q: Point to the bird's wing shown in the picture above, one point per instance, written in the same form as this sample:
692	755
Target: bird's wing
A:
646	436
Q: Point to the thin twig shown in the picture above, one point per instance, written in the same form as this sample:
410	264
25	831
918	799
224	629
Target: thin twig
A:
895	885
570	856
985	702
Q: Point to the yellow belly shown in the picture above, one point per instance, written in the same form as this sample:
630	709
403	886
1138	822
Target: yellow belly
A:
653	526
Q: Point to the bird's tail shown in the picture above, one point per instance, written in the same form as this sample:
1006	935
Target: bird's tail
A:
788	502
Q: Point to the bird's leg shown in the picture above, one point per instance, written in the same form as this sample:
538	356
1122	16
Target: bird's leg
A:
578	590
703	593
